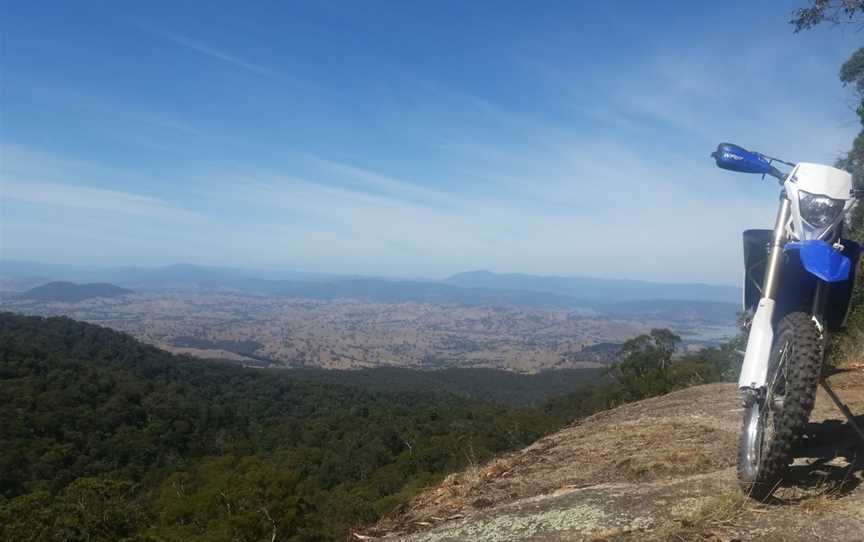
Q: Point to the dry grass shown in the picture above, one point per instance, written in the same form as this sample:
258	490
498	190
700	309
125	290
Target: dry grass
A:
817	497
817	504
847	350
708	521
664	463
717	518
681	434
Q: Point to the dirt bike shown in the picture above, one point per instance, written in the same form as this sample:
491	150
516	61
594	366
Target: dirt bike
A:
798	282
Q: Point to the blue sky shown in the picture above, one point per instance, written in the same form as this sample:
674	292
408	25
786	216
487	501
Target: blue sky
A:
406	138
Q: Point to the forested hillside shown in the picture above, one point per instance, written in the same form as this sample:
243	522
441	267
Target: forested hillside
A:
104	438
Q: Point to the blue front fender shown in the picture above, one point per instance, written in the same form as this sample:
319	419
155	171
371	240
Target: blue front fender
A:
822	260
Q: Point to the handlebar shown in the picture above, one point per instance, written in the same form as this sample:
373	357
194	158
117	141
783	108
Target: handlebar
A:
735	158
776	173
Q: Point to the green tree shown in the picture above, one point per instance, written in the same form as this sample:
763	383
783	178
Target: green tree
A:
28	517
645	362
852	76
831	11
88	510
233	500
100	509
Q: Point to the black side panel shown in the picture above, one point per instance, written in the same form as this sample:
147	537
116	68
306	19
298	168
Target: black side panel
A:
841	292
756	245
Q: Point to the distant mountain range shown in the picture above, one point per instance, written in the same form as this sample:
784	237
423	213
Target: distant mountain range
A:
70	292
471	288
402	291
596	289
176	276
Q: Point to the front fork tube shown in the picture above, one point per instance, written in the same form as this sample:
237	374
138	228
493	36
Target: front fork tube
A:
754	370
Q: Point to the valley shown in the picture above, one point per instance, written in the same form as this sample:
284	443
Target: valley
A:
289	332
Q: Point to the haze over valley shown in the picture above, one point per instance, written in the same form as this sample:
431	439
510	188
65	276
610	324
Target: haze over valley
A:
470	320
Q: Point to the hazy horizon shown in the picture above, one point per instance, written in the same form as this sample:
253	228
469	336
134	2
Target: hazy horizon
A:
406	141
336	274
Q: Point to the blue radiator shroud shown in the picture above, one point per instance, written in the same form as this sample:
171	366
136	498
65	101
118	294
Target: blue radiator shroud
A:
822	260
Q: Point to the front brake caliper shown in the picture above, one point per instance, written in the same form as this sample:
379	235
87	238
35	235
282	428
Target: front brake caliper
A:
749	396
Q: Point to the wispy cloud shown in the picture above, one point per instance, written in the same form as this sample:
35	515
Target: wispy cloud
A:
707	95
592	205
83	197
365	180
206	50
43	179
573	213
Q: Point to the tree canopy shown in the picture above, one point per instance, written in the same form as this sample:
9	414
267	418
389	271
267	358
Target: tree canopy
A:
831	11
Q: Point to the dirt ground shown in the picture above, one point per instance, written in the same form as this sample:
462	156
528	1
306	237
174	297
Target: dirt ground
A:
659	469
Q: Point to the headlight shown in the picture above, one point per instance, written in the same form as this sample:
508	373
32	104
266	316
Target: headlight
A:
819	211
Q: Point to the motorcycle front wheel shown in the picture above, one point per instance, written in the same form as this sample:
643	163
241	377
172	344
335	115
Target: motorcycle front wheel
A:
773	422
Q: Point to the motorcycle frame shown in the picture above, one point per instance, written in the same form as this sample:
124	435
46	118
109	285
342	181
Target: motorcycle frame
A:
805	178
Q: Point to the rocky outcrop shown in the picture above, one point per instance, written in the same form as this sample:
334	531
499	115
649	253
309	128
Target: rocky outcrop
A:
659	469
